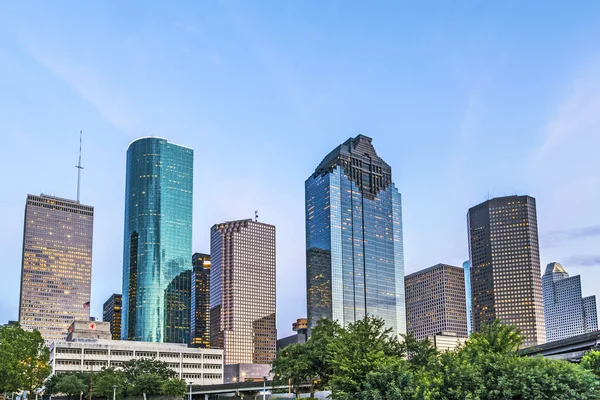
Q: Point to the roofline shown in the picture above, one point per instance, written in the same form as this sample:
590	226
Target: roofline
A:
436	266
157	137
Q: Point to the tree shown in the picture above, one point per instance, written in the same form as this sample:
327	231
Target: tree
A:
70	385
145	366
591	362
148	384
53	381
418	352
106	379
391	380
174	387
496	337
25	359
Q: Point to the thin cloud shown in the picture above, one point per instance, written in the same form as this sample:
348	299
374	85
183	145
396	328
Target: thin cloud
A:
582	261
557	238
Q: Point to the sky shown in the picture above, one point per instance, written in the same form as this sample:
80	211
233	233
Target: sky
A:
465	101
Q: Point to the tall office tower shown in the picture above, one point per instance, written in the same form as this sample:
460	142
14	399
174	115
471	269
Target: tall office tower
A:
178	297
242	291
566	312
467	270
57	265
158	232
435	302
354	246
200	312
505	266
112	313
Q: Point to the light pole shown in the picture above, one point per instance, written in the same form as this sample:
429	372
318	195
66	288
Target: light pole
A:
264	387
114	392
191	383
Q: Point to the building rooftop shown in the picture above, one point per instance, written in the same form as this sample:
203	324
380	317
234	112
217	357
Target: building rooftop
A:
555	268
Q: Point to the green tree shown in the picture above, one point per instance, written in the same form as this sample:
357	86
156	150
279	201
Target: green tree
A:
174	387
147	366
25	359
591	362
53	381
418	352
495	337
150	384
391	380
71	385
106	379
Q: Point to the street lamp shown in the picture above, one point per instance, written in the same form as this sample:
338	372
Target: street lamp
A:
114	392
264	387
191	383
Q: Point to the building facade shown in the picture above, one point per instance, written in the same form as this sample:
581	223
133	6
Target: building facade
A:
111	313
158	232
56	267
200	303
435	302
301	329
566	312
467	270
90	348
178	296
505	266
242	291
354	246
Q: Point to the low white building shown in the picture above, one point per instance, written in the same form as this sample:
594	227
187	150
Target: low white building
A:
88	348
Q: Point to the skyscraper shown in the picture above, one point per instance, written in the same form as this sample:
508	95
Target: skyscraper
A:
505	266
566	313
467	268
200	312
56	266
111	312
354	246
158	232
242	291
435	302
178	295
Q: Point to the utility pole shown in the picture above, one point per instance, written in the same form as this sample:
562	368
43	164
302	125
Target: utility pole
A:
79	166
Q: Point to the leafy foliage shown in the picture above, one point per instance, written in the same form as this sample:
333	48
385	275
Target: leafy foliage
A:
174	387
591	362
146	383
147	366
71	385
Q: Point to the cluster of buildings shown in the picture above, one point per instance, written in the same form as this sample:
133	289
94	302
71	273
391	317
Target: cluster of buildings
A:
212	317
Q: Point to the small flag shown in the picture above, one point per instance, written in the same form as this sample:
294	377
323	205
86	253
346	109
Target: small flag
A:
86	305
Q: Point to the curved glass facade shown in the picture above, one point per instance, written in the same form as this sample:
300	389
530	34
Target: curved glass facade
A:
467	267
158	233
354	243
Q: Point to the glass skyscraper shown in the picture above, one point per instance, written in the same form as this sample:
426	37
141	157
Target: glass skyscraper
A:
354	246
158	232
467	267
566	312
200	303
57	265
111	312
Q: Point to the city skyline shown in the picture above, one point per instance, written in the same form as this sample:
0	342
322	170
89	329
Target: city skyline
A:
457	103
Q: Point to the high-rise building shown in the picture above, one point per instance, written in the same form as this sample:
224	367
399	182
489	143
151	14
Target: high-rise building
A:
506	282
158	232
57	265
435	302
566	312
467	269
178	295
354	246
200	311
112	313
242	291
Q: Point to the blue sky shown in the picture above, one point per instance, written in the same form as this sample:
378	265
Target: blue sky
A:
463	100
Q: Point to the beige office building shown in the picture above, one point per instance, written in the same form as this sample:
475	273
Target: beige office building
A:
56	265
242	291
436	302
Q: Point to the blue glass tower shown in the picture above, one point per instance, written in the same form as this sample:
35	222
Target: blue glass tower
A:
354	246
158	233
467	267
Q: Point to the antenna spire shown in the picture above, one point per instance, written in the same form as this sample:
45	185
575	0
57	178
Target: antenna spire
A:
78	166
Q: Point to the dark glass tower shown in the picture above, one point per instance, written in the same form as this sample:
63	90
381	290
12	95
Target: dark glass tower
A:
505	266
200	313
111	312
354	246
158	232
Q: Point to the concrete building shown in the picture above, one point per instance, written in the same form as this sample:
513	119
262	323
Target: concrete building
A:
435	302
242	291
566	312
111	312
56	266
158	233
247	373
354	244
89	346
301	329
445	341
506	279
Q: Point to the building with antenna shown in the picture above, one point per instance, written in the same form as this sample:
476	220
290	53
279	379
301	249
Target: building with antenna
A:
158	232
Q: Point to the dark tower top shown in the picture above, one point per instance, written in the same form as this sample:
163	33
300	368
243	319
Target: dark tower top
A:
360	164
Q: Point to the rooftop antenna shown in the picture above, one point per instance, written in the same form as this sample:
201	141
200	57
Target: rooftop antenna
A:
78	166
256	216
